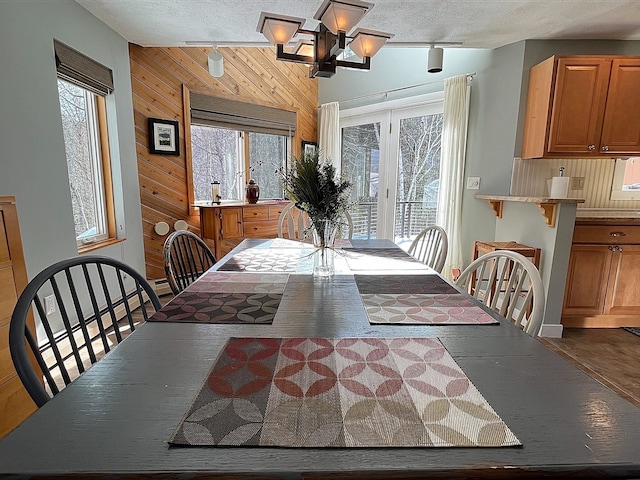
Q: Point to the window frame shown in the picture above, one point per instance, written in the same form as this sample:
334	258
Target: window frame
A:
617	184
101	159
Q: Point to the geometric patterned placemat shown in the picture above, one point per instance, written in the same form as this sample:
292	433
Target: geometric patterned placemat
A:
339	392
207	307
424	309
264	260
382	259
239	282
403	284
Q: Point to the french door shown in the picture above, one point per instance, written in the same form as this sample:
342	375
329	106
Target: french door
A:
391	154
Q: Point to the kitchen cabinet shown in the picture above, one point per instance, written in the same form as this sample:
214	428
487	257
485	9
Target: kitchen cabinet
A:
225	226
602	288
15	402
583	106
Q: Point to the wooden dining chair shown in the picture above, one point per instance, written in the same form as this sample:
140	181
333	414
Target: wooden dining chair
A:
294	224
84	307
510	285
430	247
186	258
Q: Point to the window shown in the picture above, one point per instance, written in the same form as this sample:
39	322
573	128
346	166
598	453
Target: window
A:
232	142
626	179
82	87
222	154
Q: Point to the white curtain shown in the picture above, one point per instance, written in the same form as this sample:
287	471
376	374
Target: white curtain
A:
454	141
329	134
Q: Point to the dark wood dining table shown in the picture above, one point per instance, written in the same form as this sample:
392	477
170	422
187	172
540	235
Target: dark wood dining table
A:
115	420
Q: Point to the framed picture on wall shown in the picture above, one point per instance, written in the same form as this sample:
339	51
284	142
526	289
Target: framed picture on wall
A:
163	136
309	148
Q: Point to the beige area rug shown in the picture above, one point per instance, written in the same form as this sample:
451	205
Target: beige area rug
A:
339	392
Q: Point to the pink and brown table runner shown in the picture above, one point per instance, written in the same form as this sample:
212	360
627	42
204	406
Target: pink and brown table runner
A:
339	392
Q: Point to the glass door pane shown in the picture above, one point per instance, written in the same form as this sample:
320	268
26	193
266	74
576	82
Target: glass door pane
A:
418	146
361	148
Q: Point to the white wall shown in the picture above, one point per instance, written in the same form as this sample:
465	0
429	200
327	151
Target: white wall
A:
32	156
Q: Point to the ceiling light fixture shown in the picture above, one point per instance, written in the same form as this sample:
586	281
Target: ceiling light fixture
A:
328	40
434	61
216	63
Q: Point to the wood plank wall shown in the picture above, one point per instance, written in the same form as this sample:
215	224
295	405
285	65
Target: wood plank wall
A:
157	78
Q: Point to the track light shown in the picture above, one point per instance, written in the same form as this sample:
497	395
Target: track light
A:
216	63
434	62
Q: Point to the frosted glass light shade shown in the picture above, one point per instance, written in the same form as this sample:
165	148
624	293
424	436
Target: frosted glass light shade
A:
216	63
341	15
434	62
279	29
366	43
305	48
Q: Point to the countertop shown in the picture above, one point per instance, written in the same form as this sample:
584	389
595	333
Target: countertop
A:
515	198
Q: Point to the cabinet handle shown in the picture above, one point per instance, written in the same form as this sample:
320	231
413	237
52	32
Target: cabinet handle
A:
605	148
592	147
618	234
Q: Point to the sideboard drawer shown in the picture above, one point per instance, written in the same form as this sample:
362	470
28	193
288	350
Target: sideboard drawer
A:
255	213
260	229
607	234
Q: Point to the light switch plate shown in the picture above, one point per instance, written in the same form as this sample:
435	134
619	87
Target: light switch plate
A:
473	183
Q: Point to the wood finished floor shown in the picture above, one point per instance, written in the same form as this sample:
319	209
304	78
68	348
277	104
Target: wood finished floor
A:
610	355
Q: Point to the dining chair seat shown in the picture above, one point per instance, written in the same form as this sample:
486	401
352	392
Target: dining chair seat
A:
84	307
186	258
510	285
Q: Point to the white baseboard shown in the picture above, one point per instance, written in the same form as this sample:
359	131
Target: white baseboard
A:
551	331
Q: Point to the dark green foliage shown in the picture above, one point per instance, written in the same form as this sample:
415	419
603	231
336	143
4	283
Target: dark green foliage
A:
316	189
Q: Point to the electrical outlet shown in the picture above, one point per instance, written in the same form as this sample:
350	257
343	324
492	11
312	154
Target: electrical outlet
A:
49	304
473	183
577	183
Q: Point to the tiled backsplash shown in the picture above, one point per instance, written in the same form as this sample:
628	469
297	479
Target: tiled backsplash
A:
529	178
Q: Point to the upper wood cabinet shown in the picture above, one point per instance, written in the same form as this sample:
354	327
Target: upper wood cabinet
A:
583	106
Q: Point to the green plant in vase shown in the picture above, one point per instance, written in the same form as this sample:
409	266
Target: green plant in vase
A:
315	188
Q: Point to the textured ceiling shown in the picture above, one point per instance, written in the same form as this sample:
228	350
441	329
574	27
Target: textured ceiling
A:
473	23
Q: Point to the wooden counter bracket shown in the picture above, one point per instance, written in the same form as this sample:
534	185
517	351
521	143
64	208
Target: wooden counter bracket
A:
549	211
496	205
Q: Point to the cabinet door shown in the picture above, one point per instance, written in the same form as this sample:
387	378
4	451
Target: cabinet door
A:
578	105
623	292
230	223
621	126
587	279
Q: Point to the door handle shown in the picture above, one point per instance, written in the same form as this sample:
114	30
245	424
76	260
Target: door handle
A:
618	234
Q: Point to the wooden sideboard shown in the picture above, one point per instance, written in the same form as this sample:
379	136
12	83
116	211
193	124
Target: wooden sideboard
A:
225	226
15	402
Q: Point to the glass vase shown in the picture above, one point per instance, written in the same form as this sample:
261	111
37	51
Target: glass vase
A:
324	236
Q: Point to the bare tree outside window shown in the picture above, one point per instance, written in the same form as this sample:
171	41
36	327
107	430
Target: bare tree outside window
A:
215	153
82	146
418	174
218	154
266	157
